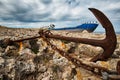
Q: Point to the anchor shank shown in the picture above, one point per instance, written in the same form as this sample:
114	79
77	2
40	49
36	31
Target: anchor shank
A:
78	40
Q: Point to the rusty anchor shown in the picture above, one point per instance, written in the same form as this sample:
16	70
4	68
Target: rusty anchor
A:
108	44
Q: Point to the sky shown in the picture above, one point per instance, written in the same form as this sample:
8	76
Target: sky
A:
62	13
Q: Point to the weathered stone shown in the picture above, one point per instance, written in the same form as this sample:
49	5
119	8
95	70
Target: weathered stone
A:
89	50
11	52
48	64
42	68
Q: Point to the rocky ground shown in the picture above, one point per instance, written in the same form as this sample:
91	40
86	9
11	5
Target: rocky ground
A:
36	60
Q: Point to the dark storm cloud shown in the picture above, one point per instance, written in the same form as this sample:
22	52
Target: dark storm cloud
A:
54	10
46	1
18	10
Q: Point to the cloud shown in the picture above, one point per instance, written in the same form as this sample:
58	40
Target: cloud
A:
52	10
22	12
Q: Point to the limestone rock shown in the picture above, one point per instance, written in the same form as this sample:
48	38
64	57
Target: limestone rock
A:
38	61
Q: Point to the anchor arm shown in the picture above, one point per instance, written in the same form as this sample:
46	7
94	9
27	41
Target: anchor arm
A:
110	41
